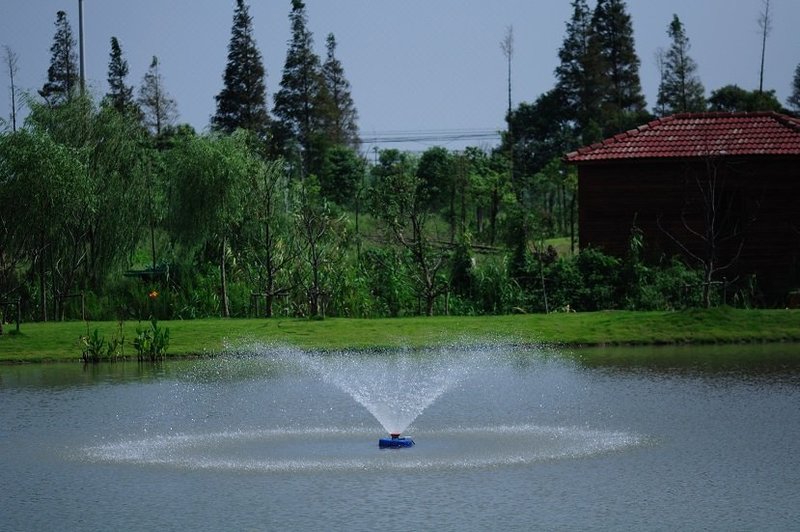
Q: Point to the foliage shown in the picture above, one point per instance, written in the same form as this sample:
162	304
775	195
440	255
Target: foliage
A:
242	101
62	75
680	90
95	348
435	171
301	99
398	201
342	172
341	117
578	74
120	95
207	195
611	39
794	98
319	237
265	239
732	98
151	342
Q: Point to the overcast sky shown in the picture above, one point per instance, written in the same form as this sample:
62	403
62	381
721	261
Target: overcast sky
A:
420	68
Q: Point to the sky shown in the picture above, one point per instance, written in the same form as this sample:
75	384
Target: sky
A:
422	72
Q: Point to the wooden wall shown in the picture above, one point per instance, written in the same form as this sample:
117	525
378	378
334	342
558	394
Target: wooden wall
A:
760	196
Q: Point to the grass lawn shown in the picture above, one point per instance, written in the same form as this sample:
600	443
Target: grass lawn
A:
39	342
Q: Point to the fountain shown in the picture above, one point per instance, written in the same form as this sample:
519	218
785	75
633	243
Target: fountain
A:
396	387
269	408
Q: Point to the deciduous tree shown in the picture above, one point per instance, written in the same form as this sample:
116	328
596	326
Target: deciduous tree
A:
268	246
158	108
11	59
319	237
732	98
397	202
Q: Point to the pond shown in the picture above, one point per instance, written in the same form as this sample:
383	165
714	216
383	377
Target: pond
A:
267	438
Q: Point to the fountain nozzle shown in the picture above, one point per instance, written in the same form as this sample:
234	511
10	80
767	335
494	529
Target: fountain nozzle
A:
395	442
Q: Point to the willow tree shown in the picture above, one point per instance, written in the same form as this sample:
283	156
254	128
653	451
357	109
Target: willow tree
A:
208	185
44	193
110	147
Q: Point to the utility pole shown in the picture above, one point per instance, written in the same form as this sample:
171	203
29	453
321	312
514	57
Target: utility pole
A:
80	46
765	23
507	46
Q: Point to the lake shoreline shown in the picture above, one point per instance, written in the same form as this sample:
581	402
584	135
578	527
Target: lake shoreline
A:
61	341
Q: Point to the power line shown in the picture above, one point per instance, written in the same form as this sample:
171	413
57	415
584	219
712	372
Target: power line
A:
436	135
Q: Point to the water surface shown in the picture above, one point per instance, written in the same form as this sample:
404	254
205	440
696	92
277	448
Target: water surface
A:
634	438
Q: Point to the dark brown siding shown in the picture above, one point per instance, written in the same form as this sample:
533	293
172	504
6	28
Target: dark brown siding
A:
762	196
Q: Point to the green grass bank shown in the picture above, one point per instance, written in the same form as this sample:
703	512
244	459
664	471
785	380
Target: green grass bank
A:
42	342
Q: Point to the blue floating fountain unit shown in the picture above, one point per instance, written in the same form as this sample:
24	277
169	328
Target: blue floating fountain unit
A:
395	442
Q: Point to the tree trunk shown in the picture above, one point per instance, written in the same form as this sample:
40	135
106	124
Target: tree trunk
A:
226	311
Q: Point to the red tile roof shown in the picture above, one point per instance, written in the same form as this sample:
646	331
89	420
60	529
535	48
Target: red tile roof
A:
700	135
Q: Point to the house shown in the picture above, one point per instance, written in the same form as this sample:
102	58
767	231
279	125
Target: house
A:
721	189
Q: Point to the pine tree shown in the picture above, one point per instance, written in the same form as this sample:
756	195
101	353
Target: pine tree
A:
302	90
62	75
120	95
158	108
794	99
578	80
680	90
612	40
242	101
341	126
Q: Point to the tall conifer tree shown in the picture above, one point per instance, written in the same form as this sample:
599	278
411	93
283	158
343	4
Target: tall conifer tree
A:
242	101
794	98
120	95
62	75
302	89
612	40
680	90
578	74
342	127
